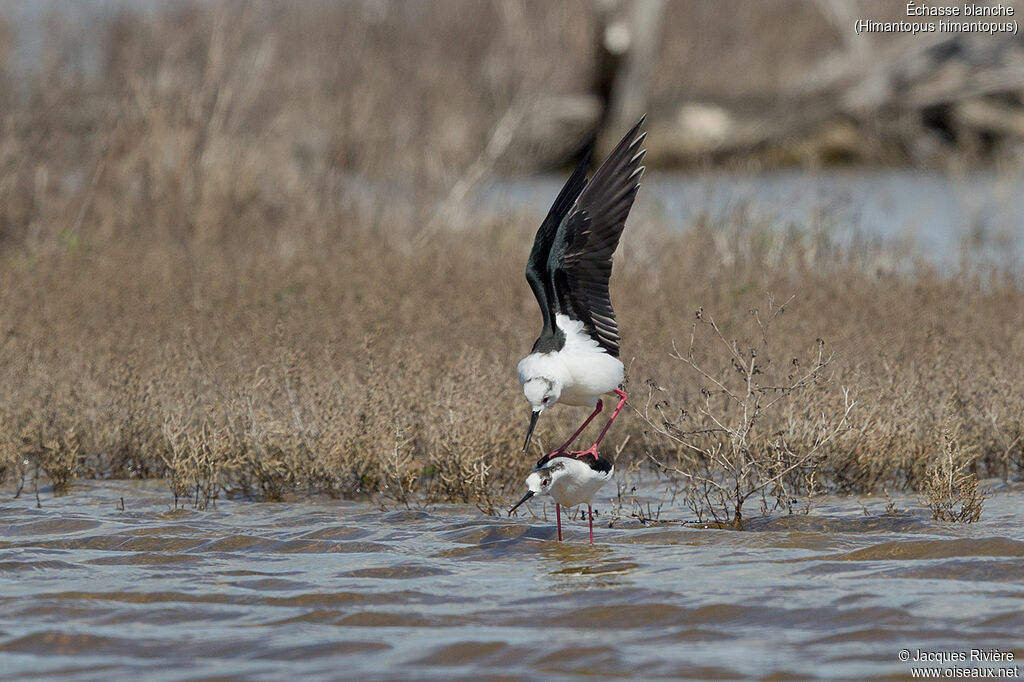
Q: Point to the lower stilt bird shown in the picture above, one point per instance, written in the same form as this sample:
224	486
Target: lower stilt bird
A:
569	481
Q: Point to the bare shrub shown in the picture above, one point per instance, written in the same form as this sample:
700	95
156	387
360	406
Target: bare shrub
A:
50	439
628	481
176	460
192	463
742	439
10	450
950	490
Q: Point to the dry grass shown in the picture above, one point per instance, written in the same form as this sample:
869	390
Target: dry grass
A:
361	367
918	353
190	289
950	491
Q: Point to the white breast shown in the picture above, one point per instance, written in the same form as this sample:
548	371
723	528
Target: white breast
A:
592	370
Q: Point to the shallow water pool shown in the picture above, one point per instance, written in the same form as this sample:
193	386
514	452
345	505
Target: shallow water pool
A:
340	590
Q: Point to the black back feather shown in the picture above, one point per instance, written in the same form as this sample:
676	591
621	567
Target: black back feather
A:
570	263
552	464
580	259
552	338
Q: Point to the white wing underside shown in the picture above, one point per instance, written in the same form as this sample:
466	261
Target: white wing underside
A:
593	370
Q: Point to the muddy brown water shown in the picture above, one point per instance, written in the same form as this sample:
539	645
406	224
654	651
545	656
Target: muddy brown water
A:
341	590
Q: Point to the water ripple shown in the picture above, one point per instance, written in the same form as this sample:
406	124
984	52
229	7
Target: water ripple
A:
328	590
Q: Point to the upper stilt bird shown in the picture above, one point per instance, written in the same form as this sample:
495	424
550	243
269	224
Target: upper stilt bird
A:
575	360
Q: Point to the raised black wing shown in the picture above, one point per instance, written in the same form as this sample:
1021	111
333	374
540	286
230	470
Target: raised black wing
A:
580	259
536	267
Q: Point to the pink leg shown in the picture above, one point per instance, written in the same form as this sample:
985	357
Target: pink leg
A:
558	516
562	448
590	515
592	450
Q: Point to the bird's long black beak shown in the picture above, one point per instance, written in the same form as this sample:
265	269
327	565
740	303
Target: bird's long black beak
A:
529	433
528	495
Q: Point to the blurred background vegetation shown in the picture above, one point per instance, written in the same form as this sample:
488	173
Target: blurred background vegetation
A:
241	245
276	108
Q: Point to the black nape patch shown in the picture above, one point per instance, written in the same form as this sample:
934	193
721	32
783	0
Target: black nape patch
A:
600	464
550	463
549	342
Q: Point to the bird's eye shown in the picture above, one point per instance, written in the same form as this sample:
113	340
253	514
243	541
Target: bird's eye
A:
545	401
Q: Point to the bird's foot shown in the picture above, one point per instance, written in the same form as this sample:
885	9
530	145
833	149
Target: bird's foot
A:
555	453
592	451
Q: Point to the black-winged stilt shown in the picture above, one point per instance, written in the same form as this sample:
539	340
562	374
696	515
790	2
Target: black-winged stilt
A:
576	358
569	481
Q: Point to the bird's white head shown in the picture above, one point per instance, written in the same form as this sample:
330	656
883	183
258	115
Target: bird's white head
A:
540	481
539	374
542	392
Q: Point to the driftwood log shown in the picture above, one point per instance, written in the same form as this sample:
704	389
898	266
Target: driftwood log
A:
924	99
